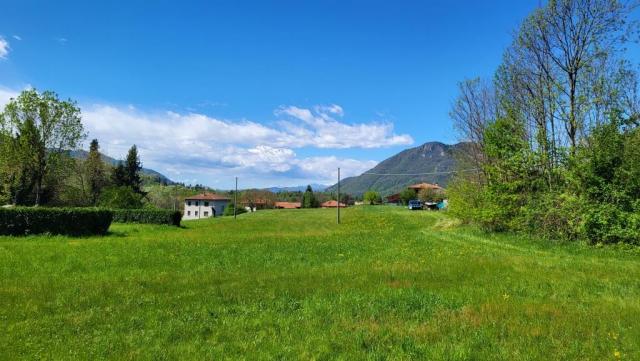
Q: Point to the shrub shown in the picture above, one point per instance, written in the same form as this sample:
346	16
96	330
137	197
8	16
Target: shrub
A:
120	198
372	197
228	211
149	216
67	221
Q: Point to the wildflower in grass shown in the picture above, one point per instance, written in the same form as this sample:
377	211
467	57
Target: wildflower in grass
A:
616	354
505	296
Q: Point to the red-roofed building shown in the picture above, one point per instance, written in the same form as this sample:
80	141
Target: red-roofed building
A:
332	204
420	186
288	205
204	205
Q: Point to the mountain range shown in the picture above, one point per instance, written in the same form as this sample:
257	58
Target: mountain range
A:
397	172
315	187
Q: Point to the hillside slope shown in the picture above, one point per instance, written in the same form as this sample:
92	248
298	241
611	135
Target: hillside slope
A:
427	158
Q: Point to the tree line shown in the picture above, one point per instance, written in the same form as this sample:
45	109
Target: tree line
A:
553	145
37	133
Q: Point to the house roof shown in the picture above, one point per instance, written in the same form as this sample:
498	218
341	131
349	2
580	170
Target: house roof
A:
207	197
393	197
332	204
424	186
255	201
288	205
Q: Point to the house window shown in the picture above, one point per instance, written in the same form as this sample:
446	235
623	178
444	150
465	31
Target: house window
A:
188	213
206	204
196	213
189	203
206	214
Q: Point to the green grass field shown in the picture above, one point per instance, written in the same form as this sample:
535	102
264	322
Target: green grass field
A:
386	284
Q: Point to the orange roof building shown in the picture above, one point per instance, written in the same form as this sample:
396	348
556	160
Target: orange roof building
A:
288	205
208	197
332	204
420	186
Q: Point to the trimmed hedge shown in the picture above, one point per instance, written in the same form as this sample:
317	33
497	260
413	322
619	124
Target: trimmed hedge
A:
150	216
21	221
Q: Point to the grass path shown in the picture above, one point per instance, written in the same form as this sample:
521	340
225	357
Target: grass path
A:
386	284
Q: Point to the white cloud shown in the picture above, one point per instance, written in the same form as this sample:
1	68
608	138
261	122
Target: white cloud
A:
61	41
194	147
17	37
319	129
4	48
5	95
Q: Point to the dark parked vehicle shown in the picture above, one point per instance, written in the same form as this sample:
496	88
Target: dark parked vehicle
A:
415	205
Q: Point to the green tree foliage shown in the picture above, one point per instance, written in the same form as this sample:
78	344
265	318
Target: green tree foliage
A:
372	197
430	195
406	195
38	129
309	199
229	210
127	173
119	176
122	197
554	139
133	166
95	172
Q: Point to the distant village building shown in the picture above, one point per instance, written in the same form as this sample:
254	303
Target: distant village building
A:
205	205
420	186
288	205
332	204
255	204
395	198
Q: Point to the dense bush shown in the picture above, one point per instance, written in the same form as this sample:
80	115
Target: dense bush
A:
122	197
228	211
68	221
372	197
150	216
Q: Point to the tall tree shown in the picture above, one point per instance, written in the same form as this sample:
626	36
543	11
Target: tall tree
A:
132	167
95	172
47	127
309	199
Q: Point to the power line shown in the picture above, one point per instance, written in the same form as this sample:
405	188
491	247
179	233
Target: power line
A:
416	174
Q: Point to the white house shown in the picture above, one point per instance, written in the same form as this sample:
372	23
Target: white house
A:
204	205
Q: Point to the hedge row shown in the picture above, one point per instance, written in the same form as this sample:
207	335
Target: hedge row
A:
67	221
151	216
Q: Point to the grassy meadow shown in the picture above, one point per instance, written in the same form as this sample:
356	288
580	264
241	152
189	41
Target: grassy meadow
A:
290	284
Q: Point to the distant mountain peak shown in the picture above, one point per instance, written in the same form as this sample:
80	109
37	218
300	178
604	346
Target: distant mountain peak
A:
429	157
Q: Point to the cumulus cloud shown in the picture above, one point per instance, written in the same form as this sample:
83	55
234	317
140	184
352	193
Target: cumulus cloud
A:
197	148
4	48
319	128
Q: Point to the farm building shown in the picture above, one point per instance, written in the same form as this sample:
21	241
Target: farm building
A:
204	205
420	186
395	198
332	204
288	205
252	205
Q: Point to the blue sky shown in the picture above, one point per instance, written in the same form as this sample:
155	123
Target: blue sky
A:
275	92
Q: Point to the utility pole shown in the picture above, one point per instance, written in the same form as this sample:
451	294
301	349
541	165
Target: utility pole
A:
235	201
338	195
